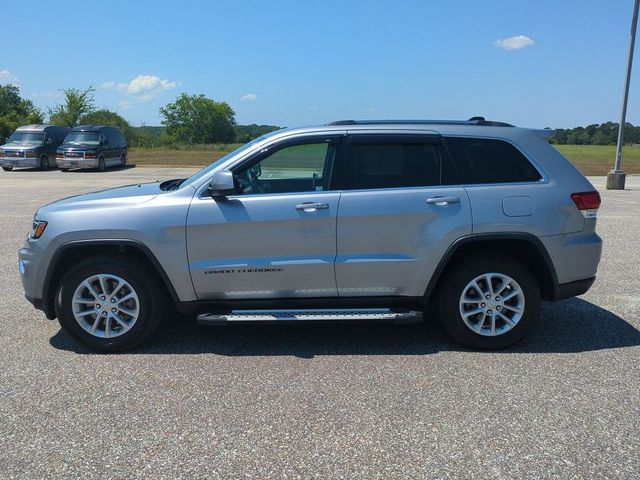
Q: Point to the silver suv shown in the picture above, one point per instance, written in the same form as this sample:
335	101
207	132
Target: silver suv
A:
475	222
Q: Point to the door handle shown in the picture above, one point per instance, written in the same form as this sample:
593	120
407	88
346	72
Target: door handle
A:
312	206
442	201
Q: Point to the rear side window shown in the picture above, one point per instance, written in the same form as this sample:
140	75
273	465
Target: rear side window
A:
489	161
372	164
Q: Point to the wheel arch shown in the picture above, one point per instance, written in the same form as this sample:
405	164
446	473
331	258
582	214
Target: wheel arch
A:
524	247
72	252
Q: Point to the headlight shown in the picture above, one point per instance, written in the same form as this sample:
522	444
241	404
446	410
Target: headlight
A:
37	229
30	154
90	154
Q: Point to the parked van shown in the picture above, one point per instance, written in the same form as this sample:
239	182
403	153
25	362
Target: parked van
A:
32	146
92	146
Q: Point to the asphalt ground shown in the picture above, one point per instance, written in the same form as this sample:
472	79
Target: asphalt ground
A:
315	401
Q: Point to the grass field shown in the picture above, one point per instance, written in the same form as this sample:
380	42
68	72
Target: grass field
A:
590	159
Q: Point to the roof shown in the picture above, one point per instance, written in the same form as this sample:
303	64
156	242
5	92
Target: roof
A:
477	121
89	128
39	127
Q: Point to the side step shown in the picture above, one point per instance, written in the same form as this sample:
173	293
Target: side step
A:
311	314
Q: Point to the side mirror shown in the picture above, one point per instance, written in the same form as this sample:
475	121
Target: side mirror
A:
222	184
49	141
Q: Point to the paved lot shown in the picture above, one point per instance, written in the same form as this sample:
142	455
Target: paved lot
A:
371	401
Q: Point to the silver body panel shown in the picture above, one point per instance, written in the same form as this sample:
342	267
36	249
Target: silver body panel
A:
377	242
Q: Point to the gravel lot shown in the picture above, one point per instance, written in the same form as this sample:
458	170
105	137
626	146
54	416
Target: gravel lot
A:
368	401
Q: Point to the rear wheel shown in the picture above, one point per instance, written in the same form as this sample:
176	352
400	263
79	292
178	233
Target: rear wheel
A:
489	302
110	304
101	164
44	162
7	169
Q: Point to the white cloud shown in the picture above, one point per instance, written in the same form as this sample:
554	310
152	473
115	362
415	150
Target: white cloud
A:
514	43
8	78
249	97
143	87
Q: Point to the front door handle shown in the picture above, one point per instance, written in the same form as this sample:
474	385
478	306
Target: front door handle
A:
442	201
311	206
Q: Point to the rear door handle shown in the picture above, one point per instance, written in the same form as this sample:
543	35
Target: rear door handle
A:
443	201
312	206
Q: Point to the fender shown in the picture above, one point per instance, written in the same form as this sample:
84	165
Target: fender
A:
47	294
483	237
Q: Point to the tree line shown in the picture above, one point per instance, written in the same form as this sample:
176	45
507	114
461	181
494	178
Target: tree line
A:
596	134
187	121
198	120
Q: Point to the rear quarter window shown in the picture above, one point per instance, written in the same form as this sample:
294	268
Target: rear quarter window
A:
489	161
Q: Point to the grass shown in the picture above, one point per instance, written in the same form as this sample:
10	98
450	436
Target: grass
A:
590	159
599	159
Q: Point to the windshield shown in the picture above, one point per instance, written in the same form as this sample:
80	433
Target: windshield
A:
26	137
193	179
82	138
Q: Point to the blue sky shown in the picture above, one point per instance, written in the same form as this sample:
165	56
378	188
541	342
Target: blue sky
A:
306	62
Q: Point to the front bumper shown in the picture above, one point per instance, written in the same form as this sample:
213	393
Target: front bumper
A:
19	162
77	162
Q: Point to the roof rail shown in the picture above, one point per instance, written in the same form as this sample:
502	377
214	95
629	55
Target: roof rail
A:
480	121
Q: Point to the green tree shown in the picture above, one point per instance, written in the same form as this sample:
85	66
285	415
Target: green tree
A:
77	103
15	111
112	119
197	119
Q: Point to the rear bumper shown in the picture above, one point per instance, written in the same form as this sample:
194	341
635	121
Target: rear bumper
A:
572	289
19	162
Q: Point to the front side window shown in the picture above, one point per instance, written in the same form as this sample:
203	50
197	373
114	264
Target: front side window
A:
489	161
388	163
294	168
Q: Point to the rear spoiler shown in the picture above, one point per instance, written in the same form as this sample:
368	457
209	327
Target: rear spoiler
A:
544	133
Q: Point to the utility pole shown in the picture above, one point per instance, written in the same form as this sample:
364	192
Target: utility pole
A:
616	177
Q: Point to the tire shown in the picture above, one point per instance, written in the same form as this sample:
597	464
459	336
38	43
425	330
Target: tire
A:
7	169
101	166
44	162
147	300
123	160
63	169
480	330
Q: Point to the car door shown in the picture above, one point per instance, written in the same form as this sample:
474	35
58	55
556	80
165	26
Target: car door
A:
276	236
112	153
401	208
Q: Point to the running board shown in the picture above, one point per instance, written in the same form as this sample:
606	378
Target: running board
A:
311	314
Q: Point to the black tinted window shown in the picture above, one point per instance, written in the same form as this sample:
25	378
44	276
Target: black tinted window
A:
489	161
394	164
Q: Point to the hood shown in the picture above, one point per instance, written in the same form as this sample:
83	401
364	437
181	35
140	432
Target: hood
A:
120	197
20	146
78	146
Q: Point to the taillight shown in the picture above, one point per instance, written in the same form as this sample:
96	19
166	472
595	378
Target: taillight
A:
587	202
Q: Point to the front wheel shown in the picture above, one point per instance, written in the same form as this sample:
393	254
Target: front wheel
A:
109	304
489	302
101	165
123	160
44	163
